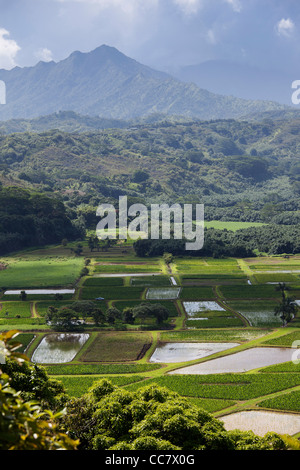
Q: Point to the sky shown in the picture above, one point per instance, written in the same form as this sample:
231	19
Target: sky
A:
159	33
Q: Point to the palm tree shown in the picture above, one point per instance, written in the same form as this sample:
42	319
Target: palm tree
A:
282	287
287	310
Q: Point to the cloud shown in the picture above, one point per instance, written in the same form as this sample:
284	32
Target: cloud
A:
44	54
8	50
285	27
235	4
211	37
189	6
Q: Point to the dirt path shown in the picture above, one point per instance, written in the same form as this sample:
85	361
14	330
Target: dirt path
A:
33	310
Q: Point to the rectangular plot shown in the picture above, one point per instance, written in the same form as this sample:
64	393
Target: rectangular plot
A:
258	313
250	292
116	347
146	281
104	281
15	309
163	293
111	293
226	386
215	322
197	293
52	272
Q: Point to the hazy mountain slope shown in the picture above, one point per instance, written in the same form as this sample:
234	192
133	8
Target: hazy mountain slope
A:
108	84
240	80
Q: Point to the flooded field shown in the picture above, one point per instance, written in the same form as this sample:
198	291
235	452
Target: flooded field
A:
243	361
261	422
59	348
166	293
194	308
40	291
182	352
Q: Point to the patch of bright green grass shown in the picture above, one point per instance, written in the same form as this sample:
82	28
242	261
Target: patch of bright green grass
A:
111	293
286	402
45	272
15	309
250	292
76	386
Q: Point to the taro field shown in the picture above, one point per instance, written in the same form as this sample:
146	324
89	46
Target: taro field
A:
205	328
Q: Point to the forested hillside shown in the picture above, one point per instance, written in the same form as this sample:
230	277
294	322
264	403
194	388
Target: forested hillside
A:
30	219
240	170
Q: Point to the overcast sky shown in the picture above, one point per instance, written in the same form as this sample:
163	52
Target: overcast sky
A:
159	33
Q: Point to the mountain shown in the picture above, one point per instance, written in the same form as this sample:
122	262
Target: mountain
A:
106	83
240	80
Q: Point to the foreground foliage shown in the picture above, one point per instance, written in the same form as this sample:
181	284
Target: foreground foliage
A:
152	418
25	425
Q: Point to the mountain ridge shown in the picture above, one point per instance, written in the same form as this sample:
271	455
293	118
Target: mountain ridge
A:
105	82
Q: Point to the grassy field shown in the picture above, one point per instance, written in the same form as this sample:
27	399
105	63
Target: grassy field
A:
233	226
15	310
32	273
111	293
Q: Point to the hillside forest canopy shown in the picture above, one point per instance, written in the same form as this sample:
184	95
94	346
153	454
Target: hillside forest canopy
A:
241	170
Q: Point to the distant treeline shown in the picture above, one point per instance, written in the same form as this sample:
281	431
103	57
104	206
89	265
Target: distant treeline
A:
32	219
271	239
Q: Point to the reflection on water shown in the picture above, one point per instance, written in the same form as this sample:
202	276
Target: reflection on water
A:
243	361
58	348
40	291
182	352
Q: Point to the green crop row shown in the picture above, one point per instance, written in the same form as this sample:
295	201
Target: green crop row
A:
227	386
92	369
288	402
78	385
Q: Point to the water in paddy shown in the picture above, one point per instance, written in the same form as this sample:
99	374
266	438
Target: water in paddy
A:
59	348
182	352
243	361
166	293
41	291
261	422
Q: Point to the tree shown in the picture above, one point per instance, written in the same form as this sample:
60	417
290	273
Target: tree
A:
24	425
287	308
112	314
128	315
34	383
63	319
146	310
151	418
87	308
23	295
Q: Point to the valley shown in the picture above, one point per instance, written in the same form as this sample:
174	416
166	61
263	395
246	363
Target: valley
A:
225	302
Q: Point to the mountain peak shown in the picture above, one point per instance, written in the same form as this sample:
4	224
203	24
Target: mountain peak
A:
105	82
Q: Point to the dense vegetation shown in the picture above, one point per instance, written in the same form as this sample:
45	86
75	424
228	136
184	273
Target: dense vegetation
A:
240	170
271	239
108	417
28	218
